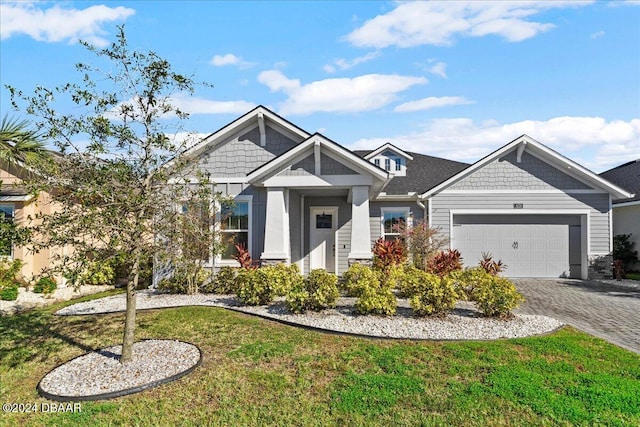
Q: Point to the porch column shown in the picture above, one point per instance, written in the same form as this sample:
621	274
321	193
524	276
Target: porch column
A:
360	231
276	231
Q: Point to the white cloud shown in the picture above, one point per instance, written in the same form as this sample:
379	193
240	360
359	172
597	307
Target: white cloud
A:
594	142
439	23
196	105
363	93
230	59
57	24
438	69
431	102
597	34
344	64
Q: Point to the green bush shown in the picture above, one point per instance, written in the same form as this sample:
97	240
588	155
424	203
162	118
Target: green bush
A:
358	278
98	273
496	297
223	282
45	285
9	292
409	280
178	282
373	288
465	281
9	281
260	286
318	291
433	295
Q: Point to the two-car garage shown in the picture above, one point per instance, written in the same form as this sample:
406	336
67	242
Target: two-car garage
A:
531	245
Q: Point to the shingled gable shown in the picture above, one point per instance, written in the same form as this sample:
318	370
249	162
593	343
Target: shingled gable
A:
525	142
627	176
390	147
326	146
258	117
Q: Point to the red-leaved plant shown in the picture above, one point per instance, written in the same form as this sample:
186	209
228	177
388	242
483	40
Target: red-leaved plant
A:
243	257
490	266
445	262
387	253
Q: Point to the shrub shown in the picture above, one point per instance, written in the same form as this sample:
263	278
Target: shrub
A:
223	282
435	295
243	257
421	242
359	277
623	250
490	266
496	297
387	253
98	273
445	262
9	282
9	292
372	288
409	280
318	291
260	286
45	285
465	281
178	282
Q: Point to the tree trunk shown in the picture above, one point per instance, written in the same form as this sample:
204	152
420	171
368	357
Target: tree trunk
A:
130	317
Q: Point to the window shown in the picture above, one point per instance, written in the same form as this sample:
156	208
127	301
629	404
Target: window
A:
387	164
6	230
392	220
235	227
377	162
398	163
324	221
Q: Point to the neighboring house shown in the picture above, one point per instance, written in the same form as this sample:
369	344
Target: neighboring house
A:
302	198
17	205
626	212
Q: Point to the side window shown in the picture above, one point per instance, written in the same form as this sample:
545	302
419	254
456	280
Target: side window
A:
7	213
234	227
377	162
392	220
398	163
387	164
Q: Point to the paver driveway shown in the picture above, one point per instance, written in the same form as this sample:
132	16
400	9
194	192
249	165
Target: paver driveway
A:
607	311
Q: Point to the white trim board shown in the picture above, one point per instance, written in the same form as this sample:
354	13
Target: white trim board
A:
515	191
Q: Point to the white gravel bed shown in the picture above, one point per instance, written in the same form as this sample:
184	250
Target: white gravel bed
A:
464	323
28	300
100	372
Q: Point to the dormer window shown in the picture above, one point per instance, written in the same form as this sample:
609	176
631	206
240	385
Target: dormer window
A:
398	163
395	160
387	164
377	162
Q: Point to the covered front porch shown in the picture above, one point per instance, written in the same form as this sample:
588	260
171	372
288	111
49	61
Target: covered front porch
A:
317	206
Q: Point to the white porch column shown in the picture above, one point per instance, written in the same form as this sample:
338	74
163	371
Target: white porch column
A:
276	231
360	231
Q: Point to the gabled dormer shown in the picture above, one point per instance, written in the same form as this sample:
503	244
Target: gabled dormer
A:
390	158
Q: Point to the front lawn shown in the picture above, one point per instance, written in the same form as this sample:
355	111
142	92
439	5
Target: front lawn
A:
258	372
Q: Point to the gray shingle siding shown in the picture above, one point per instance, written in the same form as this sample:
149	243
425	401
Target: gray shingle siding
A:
304	167
531	174
329	166
244	153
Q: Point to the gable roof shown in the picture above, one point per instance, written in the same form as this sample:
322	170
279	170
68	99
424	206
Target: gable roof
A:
251	118
626	176
281	161
423	172
389	146
525	142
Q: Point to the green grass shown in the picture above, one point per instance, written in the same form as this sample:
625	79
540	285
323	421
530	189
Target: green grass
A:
258	372
633	276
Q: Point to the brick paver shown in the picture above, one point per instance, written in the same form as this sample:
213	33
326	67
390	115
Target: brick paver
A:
607	311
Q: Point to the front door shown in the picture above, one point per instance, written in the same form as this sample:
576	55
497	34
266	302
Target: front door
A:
322	237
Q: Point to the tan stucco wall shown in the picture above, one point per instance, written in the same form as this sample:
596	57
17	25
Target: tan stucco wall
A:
626	220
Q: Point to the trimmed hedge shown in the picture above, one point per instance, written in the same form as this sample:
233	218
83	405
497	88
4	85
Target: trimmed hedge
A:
318	291
260	286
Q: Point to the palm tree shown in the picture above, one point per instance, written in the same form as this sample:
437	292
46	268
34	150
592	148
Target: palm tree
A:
18	143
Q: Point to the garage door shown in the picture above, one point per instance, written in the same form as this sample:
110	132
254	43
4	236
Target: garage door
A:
530	246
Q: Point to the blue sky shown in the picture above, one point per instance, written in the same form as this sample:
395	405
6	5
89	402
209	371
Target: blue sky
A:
451	79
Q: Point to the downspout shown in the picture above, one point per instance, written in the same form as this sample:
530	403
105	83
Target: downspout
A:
424	209
302	211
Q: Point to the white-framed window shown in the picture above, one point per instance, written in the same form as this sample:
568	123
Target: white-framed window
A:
387	164
377	162
392	219
7	216
398	163
235	228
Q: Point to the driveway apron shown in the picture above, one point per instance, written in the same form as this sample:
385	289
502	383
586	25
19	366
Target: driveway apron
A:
607	311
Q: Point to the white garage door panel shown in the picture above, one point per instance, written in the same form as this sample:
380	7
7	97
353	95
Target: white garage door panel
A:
528	250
